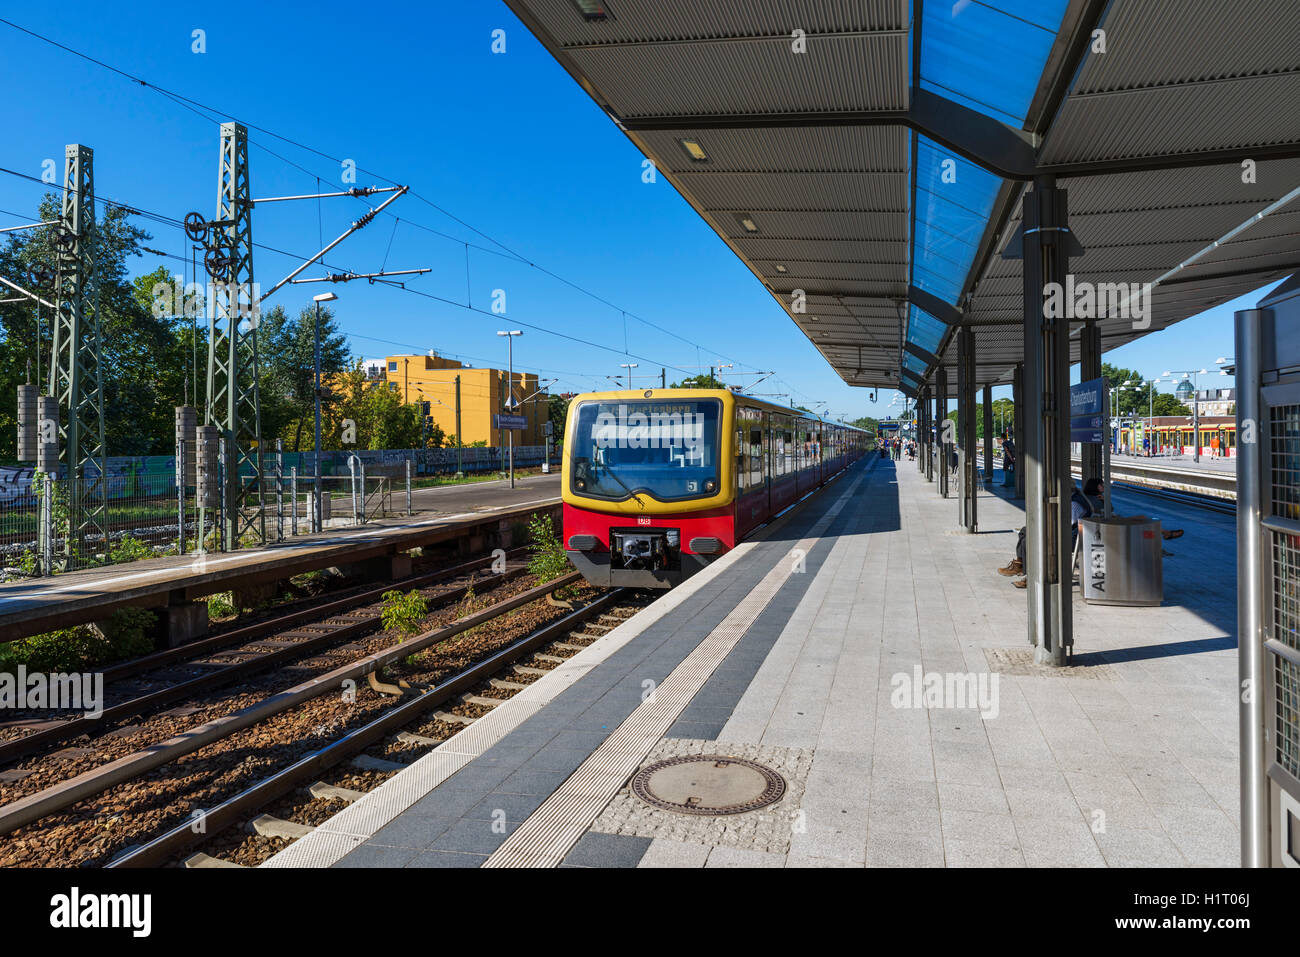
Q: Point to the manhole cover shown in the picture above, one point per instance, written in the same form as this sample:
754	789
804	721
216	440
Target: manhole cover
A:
708	784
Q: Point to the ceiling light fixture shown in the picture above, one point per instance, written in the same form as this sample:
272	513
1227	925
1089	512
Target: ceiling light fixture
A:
747	221
694	150
593	10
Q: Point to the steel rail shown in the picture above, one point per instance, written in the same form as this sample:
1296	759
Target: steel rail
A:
33	807
74	727
183	836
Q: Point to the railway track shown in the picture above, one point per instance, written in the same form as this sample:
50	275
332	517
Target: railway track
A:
215	662
365	754
149	789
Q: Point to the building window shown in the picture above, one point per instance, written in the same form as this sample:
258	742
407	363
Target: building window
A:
392	367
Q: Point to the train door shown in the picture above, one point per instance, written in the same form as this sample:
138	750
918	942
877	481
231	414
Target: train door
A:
767	461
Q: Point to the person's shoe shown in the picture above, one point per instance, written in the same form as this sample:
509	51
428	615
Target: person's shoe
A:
1012	570
1172	533
1021	583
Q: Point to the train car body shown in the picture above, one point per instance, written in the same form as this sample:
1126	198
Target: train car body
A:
659	482
1216	435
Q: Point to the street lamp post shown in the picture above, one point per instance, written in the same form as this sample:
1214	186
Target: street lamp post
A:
629	366
318	520
510	348
1189	378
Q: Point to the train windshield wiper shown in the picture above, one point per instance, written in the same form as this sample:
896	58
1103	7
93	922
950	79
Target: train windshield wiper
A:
615	477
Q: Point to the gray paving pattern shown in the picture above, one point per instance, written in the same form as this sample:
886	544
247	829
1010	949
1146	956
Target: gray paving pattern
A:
514	777
1127	760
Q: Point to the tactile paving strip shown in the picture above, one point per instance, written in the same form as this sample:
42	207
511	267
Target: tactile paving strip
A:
357	823
551	831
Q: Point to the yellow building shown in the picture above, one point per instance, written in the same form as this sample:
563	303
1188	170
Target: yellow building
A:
483	393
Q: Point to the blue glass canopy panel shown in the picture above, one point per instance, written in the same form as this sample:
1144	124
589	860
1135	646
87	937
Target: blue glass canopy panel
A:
924	330
954	199
988	54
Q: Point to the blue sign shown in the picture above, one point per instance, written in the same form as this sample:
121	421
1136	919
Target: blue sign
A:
1088	411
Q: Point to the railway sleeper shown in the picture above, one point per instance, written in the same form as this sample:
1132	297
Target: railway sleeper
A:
201	860
410	737
480	700
453	718
268	826
366	762
332	792
502	685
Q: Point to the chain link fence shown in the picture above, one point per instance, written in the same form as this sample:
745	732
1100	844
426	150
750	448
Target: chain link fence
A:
50	524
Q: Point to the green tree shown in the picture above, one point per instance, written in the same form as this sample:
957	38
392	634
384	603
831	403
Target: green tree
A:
143	354
286	347
557	411
699	382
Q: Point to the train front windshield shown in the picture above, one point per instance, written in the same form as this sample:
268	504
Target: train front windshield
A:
667	448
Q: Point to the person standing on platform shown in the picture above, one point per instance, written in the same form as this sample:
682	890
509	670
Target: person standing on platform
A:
1008	461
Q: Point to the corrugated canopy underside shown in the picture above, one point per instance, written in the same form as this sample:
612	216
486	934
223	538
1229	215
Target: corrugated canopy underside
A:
856	171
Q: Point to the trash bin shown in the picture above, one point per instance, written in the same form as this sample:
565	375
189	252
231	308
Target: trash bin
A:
1121	561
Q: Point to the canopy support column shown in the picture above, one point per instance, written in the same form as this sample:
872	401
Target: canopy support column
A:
1089	369
967	468
1046	451
945	434
988	436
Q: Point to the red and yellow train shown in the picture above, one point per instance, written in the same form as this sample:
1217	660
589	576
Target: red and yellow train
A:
658	483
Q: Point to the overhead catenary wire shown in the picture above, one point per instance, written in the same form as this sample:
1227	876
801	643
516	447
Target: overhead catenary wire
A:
195	106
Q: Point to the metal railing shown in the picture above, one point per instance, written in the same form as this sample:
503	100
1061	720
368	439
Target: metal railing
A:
46	527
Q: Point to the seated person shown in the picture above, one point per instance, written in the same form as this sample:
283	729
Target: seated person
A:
1095	490
1083	504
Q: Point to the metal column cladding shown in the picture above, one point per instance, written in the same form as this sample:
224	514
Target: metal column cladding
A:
966	392
1089	369
1046	452
1018	424
1268	576
944	435
988	435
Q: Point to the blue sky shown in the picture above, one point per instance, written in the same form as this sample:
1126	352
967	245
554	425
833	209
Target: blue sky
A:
508	143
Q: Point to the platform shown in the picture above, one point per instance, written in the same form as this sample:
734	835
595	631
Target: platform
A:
804	664
32	605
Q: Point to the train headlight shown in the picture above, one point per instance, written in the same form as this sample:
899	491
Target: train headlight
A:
580	484
710	486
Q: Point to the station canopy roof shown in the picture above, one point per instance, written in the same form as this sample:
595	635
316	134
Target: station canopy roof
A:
881	169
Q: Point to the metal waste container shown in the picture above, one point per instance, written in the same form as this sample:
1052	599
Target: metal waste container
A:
1121	561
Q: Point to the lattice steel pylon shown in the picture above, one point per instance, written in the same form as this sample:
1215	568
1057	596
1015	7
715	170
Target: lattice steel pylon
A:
75	363
233	404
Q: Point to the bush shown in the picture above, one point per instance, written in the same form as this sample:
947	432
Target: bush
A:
403	613
68	649
221	605
127	631
124	634
547	560
128	549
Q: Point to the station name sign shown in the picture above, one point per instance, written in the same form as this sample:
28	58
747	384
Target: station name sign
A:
1088	412
512	422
